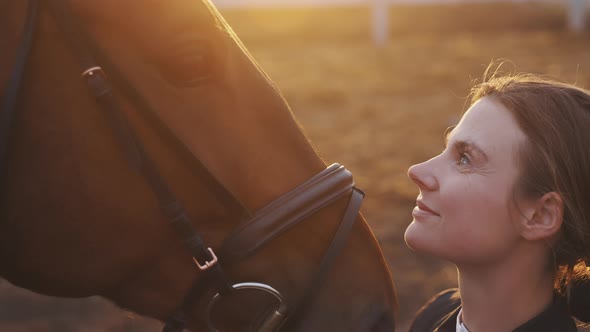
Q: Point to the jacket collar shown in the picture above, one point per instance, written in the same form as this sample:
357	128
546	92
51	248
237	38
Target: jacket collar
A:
554	318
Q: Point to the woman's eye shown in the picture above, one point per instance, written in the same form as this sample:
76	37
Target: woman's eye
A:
463	160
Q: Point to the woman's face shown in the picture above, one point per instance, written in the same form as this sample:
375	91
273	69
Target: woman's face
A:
464	212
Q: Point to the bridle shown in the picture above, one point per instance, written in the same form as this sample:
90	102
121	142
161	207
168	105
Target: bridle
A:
287	211
265	225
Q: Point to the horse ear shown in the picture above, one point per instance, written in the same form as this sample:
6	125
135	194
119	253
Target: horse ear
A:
580	299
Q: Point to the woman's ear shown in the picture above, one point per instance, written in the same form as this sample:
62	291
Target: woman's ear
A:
543	218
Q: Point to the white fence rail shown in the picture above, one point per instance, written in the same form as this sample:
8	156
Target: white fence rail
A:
576	21
577	14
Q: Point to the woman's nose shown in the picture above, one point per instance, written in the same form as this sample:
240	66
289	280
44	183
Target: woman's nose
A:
422	174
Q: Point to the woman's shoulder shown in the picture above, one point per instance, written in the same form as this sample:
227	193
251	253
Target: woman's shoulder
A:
436	310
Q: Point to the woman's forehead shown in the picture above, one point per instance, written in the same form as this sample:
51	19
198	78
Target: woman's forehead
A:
489	125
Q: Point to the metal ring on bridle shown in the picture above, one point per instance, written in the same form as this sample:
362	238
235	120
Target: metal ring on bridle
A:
271	323
92	70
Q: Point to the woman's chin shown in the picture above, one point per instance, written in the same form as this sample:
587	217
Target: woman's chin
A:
415	238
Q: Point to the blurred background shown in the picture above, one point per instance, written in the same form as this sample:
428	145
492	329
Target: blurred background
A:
375	84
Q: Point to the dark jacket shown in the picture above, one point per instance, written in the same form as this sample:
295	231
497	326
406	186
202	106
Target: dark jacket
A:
439	314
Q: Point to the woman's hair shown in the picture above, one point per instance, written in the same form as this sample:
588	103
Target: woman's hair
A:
555	118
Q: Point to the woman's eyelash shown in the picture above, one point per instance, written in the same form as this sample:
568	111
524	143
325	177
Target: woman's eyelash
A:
463	156
463	159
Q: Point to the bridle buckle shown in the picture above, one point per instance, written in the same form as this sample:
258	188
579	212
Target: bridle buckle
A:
208	264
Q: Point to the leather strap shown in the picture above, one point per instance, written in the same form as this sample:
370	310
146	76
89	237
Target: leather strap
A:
101	89
14	84
224	196
287	211
338	241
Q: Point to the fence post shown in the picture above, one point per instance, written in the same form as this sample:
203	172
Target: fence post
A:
577	15
380	22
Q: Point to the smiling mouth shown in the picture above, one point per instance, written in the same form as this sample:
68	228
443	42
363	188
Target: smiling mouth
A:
424	209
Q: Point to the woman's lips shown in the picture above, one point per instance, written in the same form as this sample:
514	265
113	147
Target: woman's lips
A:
423	209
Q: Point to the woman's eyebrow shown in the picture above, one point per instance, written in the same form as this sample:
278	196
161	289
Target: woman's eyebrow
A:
464	144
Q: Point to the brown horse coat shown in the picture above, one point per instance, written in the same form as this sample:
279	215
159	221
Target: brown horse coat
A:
76	220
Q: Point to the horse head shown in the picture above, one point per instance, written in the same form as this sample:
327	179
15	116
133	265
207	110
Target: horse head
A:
191	132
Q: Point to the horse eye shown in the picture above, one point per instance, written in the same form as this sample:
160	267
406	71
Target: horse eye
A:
189	66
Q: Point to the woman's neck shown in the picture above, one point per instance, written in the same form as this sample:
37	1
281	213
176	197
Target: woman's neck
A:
504	296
